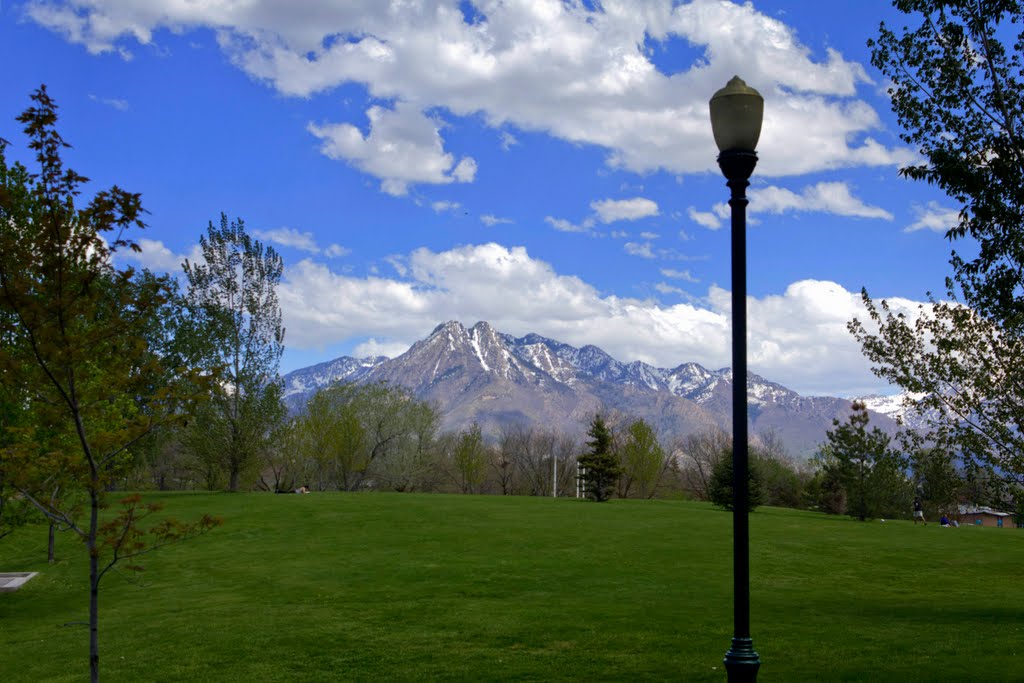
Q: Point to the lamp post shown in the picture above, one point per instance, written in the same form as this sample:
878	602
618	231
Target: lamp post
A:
736	113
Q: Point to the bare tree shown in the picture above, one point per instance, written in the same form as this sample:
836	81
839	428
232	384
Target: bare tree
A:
698	454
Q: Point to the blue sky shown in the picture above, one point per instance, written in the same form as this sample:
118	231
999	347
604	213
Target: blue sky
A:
546	166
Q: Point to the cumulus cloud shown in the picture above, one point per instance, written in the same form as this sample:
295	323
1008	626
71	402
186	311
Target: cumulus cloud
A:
159	258
611	210
934	217
403	146
797	338
705	218
574	71
824	197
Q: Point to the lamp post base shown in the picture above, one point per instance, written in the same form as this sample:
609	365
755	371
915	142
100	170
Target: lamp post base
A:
741	662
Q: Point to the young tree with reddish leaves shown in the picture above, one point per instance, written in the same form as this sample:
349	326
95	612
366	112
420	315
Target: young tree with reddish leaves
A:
76	355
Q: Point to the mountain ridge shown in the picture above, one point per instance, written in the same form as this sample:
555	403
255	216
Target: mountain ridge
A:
479	375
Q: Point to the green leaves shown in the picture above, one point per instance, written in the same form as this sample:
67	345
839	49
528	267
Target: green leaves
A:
234	323
869	470
958	90
959	94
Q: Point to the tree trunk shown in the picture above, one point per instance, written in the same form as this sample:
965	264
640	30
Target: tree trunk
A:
50	544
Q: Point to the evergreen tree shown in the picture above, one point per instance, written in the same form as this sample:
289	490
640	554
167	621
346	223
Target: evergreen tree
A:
720	490
599	468
869	470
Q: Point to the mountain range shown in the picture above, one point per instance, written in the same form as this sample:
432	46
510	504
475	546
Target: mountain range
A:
480	375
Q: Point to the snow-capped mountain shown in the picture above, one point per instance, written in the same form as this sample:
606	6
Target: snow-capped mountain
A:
480	375
896	407
300	385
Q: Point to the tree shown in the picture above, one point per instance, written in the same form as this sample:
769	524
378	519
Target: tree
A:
528	458
957	90
232	299
642	460
75	352
599	468
937	480
722	480
355	432
412	466
700	453
869	470
469	459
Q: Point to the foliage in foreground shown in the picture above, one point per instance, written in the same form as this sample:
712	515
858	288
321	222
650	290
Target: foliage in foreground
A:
81	385
958	91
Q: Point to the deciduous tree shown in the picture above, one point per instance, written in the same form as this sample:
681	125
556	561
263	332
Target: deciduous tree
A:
642	459
957	89
236	318
77	354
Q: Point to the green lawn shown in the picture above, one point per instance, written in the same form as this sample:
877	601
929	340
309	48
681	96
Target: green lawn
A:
433	587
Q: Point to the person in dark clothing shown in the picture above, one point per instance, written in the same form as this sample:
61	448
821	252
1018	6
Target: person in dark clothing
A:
919	511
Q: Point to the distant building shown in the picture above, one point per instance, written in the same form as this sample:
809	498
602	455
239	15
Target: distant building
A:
985	516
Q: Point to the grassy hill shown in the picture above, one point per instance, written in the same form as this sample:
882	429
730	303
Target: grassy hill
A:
329	587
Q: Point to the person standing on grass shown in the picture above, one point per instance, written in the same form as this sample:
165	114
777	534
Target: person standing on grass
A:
918	511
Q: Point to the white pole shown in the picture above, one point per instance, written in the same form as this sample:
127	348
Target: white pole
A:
554	477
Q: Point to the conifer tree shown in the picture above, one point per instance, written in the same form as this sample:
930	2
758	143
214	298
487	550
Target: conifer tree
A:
599	468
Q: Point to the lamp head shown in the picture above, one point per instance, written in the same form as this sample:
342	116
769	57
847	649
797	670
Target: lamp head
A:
736	114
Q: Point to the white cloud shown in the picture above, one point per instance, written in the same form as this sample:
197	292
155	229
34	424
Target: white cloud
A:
491	220
465	170
797	338
403	146
824	197
159	258
641	249
650	235
508	141
117	103
934	217
704	218
679	275
303	241
445	205
336	250
559	68
563	225
611	210
669	289
373	347
289	237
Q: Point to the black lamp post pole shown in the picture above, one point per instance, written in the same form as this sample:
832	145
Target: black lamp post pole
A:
741	661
